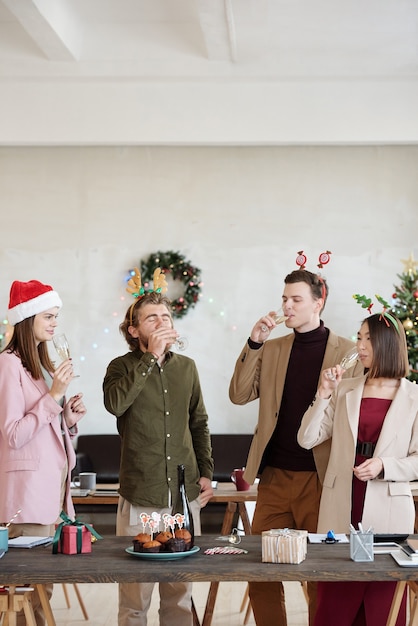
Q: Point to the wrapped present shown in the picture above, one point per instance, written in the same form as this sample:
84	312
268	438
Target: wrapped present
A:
73	536
283	545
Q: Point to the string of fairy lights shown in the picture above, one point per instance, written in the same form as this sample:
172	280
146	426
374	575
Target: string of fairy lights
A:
404	300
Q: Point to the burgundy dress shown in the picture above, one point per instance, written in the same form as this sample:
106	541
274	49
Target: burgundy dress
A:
360	603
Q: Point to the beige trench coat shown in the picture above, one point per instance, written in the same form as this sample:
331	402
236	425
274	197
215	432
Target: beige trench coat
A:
261	374
389	505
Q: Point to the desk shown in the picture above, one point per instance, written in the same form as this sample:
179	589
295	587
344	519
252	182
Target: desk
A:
108	562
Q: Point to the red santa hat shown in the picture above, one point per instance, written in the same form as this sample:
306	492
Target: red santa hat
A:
31	298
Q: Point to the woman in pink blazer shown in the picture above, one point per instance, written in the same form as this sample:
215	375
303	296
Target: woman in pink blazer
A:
36	422
373	423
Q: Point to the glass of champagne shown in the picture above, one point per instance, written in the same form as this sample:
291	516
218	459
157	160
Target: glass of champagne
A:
181	343
279	317
62	347
349	360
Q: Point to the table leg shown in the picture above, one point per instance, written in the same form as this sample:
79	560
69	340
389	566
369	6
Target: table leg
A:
396	603
43	597
245	519
231	508
210	604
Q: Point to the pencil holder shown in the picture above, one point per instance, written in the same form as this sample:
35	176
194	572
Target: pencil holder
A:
361	546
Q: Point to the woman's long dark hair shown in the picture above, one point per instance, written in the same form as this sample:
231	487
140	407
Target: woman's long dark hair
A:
33	356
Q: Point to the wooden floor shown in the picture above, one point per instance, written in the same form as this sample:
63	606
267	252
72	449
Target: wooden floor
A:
101	605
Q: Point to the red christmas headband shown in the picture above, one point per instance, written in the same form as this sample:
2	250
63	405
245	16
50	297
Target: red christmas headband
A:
323	259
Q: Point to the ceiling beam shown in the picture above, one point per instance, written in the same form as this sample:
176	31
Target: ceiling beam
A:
52	26
217	23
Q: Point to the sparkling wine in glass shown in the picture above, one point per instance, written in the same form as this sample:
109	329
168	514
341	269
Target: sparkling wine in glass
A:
62	347
181	343
279	317
349	360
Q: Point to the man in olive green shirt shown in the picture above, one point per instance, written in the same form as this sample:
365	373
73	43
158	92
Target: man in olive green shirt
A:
156	397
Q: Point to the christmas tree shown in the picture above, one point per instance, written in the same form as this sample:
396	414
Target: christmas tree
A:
405	307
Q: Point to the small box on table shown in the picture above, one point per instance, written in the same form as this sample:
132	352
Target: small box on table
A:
74	540
284	545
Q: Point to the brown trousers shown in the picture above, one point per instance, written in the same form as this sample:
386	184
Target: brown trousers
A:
285	499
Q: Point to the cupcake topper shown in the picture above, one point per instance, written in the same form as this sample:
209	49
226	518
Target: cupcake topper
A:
144	517
179	519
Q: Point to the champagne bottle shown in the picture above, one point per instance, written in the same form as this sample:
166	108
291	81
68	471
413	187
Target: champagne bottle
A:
181	504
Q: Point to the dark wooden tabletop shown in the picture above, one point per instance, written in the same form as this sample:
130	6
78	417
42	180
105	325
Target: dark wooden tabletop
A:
109	562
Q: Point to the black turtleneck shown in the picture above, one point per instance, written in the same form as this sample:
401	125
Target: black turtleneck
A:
304	368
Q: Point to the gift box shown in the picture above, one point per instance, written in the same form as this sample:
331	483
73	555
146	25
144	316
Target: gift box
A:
73	537
74	540
284	545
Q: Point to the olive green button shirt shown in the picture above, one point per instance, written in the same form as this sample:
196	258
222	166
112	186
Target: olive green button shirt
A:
162	420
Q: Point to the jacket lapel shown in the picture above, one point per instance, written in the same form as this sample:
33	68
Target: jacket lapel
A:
401	405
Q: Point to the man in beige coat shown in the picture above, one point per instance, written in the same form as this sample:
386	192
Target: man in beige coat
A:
283	374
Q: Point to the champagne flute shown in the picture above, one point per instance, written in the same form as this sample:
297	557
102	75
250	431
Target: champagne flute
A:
279	317
181	343
62	347
349	360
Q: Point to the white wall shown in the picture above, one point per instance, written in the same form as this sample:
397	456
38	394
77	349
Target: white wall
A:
80	218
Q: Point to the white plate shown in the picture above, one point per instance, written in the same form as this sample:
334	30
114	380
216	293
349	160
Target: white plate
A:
162	556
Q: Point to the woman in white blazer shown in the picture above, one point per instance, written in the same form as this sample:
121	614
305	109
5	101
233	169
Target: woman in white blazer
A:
373	423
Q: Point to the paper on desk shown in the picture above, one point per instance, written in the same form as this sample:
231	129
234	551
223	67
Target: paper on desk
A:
320	538
28	542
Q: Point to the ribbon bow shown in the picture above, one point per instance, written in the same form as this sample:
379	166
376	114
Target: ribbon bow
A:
69	522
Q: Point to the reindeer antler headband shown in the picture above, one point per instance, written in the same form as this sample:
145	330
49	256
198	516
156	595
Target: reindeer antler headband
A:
323	259
136	289
367	303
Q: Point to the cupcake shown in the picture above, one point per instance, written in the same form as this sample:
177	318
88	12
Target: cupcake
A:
176	545
139	540
183	533
151	546
164	537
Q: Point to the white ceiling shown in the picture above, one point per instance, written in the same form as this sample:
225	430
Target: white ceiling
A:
215	48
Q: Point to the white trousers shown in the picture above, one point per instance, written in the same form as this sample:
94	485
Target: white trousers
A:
135	598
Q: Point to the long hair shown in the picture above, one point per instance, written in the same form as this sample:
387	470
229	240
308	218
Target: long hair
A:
23	344
132	314
390	352
317	284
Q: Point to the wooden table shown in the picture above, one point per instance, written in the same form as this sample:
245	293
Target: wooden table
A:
109	562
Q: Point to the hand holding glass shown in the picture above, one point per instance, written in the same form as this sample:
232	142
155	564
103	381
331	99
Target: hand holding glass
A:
278	318
62	347
347	362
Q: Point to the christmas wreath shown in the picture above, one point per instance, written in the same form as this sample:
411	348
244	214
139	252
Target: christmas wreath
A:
180	269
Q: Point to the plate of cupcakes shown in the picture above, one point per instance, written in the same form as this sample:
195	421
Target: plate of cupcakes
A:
164	546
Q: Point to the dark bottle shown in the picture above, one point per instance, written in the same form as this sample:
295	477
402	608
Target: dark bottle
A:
181	505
